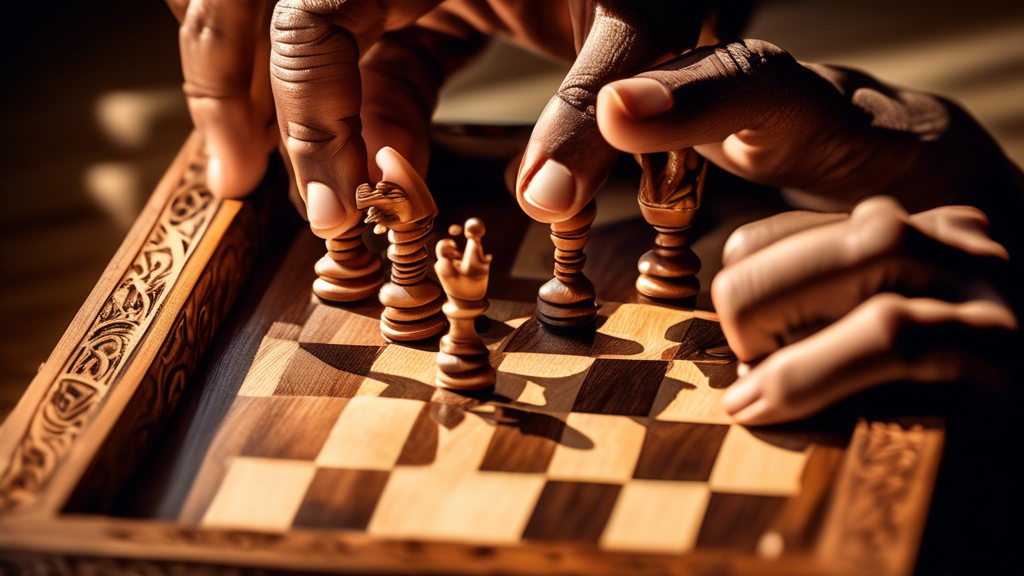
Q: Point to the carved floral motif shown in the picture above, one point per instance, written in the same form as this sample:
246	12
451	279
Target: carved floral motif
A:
90	373
887	460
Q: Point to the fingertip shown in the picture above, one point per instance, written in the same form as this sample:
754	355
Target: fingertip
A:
552	188
743	392
324	209
639	98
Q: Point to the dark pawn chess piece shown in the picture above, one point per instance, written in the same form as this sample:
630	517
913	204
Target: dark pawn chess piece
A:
567	300
402	206
464	362
669	197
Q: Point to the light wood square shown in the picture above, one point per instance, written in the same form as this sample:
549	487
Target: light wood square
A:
463	446
430	504
657	516
546	381
370	433
643	324
268	366
598	448
747	464
260	494
400	364
686	396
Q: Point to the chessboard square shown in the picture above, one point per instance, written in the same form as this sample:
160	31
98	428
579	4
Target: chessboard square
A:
749	464
737	521
687	396
446	436
293	428
265	372
284	331
656	516
341	499
327	370
370	433
597	448
402	372
523	441
534	337
623	387
480	507
259	494
643	324
699	340
336	325
572	511
546	381
679	451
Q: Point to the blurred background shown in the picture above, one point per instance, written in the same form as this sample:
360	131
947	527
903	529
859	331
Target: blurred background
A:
91	115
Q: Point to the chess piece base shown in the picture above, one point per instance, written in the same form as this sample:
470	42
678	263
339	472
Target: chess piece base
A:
398	331
464	372
664	288
567	305
353	290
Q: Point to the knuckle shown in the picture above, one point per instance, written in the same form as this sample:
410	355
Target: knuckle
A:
308	47
886	314
304	140
879	225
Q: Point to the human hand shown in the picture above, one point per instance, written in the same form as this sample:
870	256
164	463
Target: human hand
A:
828	133
224	50
828	305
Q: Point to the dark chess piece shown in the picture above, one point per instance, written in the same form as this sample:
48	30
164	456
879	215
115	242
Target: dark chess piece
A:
567	300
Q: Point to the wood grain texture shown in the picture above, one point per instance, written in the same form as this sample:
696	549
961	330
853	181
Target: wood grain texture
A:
572	511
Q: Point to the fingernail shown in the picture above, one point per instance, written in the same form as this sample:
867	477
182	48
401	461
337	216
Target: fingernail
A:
740	395
641	98
552	188
323	207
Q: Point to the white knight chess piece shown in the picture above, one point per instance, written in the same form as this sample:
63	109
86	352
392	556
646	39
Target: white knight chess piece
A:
463	362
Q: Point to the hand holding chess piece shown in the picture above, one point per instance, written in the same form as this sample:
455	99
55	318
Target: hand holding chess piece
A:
463	362
402	206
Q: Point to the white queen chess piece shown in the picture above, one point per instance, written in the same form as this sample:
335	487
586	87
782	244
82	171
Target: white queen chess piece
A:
463	362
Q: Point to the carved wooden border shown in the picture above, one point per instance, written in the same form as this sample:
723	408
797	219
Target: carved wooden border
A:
105	349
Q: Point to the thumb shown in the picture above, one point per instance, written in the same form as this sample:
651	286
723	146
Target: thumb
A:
567	159
704	96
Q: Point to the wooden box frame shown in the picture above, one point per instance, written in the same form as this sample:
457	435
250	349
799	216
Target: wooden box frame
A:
125	360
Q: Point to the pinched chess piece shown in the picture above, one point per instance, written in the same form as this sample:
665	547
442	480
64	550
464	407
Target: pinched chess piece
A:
463	362
402	206
567	300
348	272
669	197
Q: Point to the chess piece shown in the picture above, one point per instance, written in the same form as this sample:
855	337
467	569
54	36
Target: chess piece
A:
669	197
348	272
463	362
402	206
567	300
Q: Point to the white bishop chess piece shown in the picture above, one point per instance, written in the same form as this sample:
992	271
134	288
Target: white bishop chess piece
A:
463	362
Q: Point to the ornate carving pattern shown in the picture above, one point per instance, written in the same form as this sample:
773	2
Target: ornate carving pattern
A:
887	460
95	367
162	386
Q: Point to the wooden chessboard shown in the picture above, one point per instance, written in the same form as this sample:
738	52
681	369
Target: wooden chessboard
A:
310	443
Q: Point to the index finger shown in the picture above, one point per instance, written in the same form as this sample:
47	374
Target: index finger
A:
318	92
